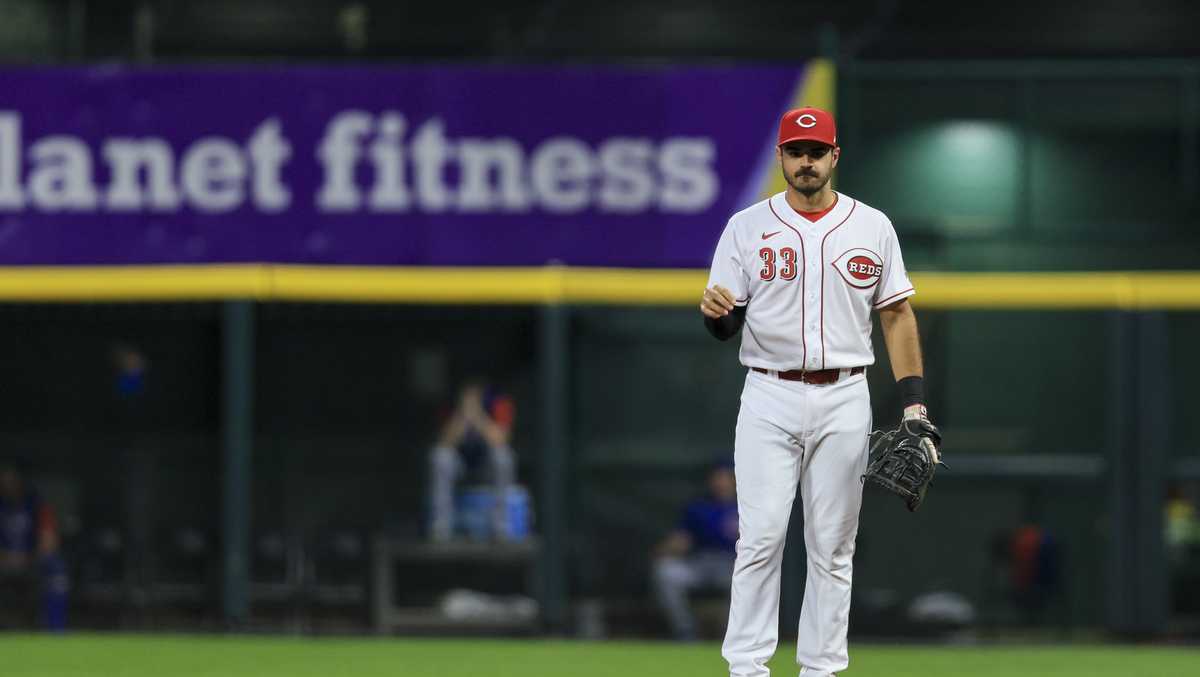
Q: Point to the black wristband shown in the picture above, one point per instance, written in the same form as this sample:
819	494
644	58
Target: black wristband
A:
727	326
912	390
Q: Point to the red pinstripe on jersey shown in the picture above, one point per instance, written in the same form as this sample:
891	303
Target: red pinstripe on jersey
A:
853	205
790	227
803	341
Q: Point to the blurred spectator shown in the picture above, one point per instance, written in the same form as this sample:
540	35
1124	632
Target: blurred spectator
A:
1035	570
129	366
1182	524
699	553
29	543
474	441
1182	539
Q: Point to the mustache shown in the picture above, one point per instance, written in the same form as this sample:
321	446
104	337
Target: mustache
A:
806	172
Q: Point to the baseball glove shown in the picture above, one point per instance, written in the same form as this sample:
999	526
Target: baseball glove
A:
903	460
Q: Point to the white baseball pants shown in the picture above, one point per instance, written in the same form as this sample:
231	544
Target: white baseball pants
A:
813	437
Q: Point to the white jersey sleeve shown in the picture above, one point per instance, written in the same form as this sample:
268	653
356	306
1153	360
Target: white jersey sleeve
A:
727	269
894	284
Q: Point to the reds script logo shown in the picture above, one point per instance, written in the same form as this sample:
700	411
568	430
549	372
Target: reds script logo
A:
860	268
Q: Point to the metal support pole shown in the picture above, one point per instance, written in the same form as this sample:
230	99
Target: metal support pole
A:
237	356
1025	180
1121	564
74	46
1150	448
555	440
143	33
1138	434
1189	140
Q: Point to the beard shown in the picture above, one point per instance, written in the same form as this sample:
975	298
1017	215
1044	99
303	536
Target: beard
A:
806	184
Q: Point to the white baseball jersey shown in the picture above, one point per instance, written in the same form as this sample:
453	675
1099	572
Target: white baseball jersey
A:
809	286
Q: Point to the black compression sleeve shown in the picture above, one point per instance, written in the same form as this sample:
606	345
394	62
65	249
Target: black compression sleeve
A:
724	328
912	390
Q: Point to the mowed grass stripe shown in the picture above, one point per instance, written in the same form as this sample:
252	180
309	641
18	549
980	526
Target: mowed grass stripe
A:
87	655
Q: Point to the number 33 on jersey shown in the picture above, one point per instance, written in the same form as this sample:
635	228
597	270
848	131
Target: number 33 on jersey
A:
809	287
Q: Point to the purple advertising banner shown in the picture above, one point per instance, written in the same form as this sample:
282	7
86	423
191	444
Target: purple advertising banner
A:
382	165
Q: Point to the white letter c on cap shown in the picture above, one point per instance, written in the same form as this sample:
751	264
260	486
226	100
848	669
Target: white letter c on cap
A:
811	122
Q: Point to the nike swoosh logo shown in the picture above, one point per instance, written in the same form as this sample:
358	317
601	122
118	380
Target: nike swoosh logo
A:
767	236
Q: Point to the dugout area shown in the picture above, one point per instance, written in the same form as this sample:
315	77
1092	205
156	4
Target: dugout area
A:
296	432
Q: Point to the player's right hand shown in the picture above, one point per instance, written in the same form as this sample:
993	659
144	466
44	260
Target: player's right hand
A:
717	302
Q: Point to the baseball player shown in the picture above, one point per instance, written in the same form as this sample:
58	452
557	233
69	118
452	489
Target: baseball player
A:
801	272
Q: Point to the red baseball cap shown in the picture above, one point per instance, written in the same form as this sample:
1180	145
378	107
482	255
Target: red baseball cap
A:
807	124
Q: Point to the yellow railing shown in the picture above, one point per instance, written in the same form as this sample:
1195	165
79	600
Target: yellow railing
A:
557	284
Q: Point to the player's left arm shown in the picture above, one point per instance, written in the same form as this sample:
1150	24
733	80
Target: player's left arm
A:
903	341
900	324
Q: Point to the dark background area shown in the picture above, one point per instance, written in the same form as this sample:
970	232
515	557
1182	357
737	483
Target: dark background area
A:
588	30
348	398
1005	136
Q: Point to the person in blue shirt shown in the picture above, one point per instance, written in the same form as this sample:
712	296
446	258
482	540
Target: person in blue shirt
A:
29	542
699	552
475	437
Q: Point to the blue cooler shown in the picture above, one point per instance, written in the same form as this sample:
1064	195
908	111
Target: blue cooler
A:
474	509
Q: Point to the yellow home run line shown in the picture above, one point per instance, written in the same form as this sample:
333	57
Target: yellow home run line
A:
558	284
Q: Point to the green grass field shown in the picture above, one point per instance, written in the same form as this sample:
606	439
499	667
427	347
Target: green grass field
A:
187	656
